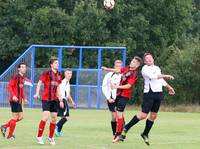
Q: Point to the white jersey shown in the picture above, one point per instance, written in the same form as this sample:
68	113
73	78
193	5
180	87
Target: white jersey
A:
150	75
65	89
110	78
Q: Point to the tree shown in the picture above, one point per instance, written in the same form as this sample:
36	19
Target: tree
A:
184	65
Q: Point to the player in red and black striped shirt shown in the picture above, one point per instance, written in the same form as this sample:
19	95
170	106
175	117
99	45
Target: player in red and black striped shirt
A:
129	78
51	79
16	90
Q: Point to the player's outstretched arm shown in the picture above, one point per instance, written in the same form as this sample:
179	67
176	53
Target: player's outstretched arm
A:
126	86
170	89
110	69
151	75
165	76
38	89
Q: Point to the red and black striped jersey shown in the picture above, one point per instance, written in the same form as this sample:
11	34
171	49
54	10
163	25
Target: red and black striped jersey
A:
51	81
128	77
16	87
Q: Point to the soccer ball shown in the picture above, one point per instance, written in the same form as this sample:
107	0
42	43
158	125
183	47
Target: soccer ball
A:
109	4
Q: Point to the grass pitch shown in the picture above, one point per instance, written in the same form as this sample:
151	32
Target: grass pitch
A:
90	129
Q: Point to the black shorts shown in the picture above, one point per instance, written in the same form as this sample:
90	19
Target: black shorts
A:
16	107
50	106
63	112
151	102
121	103
112	106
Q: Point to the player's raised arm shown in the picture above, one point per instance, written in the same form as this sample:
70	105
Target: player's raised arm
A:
170	89
129	84
126	86
151	75
115	70
165	76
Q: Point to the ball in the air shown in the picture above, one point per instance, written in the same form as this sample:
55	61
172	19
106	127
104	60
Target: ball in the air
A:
109	4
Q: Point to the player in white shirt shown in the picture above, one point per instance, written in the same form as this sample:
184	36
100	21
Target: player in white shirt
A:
110	94
64	91
153	88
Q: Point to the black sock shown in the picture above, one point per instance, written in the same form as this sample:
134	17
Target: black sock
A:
60	124
132	122
148	127
113	126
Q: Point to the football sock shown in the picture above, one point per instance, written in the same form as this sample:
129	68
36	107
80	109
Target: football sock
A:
41	128
132	122
113	126
123	121
60	124
148	127
52	127
7	124
12	127
120	123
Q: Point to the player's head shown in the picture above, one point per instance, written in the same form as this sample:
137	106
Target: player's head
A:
68	74
148	59
54	62
136	62
118	64
21	68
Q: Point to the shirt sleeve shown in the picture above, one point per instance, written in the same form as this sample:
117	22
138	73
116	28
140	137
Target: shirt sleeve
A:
106	85
123	69
132	80
62	90
43	77
60	79
11	85
164	83
68	90
149	74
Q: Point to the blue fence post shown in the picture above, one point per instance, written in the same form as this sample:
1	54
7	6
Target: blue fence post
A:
32	76
76	88
80	58
99	80
124	56
60	58
89	99
77	76
1	93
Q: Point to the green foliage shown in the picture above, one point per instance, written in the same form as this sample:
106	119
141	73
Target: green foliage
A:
184	65
90	24
162	27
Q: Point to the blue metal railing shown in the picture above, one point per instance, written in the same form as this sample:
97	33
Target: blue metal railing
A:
60	48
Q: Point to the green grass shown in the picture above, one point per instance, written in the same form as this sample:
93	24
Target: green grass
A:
90	129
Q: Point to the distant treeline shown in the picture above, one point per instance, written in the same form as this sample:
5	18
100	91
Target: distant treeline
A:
170	29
